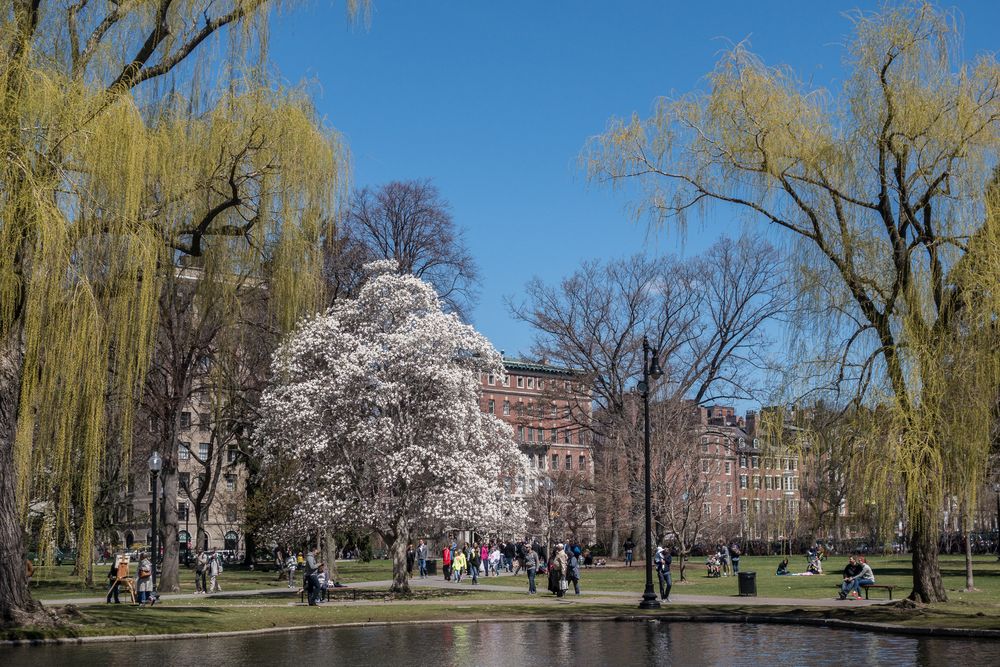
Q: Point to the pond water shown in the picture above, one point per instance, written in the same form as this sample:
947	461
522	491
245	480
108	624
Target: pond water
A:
528	645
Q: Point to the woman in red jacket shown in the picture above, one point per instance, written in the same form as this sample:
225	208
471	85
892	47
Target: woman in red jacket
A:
446	563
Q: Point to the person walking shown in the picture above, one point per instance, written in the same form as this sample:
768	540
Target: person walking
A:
411	557
312	576
734	555
200	565
475	561
629	548
458	563
531	567
422	558
574	568
663	560
727	567
484	559
560	568
446	562
494	560
214	570
145	587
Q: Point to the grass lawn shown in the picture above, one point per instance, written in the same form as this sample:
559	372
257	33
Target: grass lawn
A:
57	582
888	570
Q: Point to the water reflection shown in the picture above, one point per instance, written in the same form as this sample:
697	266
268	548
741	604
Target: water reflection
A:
528	644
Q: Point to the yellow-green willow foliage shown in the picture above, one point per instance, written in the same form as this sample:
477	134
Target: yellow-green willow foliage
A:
104	188
880	185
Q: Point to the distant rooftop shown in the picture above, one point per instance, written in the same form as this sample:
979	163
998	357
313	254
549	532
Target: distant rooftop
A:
539	367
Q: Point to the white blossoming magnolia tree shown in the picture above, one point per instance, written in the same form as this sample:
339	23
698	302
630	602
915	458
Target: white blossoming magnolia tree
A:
378	403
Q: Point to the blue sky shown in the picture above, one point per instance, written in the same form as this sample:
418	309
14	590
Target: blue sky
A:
495	100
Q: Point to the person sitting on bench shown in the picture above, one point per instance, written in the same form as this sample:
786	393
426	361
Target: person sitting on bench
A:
852	585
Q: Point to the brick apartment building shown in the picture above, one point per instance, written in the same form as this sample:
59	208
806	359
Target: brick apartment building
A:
751	478
550	411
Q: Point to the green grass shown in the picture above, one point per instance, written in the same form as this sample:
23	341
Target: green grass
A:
57	582
888	570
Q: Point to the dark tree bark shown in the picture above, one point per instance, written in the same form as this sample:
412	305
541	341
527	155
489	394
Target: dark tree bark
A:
16	603
927	584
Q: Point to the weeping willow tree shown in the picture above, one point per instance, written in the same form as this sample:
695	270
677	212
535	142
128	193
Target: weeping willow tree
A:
107	180
880	184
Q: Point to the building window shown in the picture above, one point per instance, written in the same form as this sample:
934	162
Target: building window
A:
541	462
704	465
230	482
743	481
203	451
554	435
185	420
729	467
231	454
744	506
569	462
756	461
520	409
182	512
539	383
492	406
506	408
566	436
767	482
729	489
743	460
756	481
506	383
729	509
704	448
204	421
520	382
185	480
555	462
183	450
520	433
583	462
531	434
231	513
531	383
706	509
490	379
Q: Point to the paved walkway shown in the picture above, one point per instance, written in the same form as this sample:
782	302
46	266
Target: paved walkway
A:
543	597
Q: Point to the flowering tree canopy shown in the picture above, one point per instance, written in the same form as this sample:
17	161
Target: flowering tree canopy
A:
377	402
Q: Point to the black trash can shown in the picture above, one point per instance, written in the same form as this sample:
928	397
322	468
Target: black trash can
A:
748	584
432	566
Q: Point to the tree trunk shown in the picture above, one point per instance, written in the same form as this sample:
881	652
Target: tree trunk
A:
170	575
927	584
330	553
970	584
397	545
16	605
615	539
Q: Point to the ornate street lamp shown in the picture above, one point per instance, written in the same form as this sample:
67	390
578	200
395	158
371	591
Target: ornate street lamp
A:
650	369
155	465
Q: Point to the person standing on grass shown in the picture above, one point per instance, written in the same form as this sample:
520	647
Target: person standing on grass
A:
560	568
629	548
458	563
290	564
734	555
422	558
145	587
494	560
727	566
484	559
531	567
114	581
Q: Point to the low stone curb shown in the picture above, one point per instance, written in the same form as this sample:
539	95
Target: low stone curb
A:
886	628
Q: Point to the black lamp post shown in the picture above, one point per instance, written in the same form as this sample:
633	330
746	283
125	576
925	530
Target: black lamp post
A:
155	464
650	369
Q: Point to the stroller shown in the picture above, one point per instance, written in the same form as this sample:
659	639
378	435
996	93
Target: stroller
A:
714	566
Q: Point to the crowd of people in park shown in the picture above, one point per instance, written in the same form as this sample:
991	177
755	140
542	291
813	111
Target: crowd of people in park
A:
724	561
471	561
